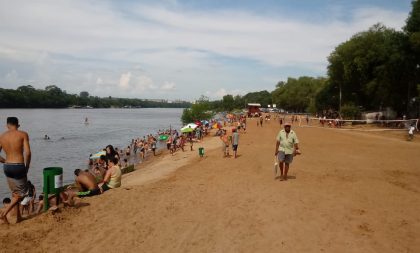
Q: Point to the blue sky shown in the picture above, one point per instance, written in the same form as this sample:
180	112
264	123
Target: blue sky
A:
177	49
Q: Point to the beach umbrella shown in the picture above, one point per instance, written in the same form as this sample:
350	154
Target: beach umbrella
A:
198	123
204	122
191	125
217	125
187	130
98	155
163	137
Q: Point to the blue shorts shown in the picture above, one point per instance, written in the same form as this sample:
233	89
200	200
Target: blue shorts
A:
285	158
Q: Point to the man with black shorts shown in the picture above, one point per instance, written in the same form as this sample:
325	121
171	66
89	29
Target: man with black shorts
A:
87	184
16	165
286	148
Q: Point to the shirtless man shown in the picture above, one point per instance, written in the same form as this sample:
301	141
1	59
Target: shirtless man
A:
87	183
88	187
225	144
16	165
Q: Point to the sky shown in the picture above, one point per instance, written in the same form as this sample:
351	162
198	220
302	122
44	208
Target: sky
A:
173	49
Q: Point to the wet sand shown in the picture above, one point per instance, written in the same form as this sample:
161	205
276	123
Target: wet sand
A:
349	192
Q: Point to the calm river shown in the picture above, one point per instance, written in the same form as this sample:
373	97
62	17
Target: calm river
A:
71	140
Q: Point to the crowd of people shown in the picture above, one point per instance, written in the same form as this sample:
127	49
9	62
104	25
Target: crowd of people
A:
103	172
105	169
233	139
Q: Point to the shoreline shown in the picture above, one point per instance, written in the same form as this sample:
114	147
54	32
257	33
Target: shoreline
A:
158	167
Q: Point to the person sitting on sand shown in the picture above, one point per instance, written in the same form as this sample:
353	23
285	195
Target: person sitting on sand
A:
112	177
52	201
87	184
98	173
103	162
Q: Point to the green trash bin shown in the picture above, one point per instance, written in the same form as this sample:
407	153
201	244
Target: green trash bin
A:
53	184
201	151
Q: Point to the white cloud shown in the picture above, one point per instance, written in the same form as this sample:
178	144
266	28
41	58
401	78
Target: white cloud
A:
168	86
218	94
144	83
137	46
99	81
125	80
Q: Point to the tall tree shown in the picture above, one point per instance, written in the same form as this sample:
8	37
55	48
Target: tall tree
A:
372	69
298	94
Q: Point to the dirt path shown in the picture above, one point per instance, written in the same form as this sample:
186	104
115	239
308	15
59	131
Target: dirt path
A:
349	192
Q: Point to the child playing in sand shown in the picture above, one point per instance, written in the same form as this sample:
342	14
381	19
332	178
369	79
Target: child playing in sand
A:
28	202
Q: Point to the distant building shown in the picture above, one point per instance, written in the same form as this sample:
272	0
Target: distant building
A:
253	108
157	100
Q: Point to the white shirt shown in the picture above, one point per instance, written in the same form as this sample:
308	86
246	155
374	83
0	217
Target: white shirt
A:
411	130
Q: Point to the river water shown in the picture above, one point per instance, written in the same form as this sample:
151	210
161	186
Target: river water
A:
71	140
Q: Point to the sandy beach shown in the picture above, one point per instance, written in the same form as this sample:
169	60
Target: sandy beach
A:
350	191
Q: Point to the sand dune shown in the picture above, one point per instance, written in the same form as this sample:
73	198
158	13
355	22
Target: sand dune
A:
348	192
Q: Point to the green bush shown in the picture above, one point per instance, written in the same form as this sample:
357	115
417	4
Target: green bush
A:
350	111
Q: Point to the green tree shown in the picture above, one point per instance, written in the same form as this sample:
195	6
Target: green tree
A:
261	97
372	70
299	94
228	103
198	111
84	94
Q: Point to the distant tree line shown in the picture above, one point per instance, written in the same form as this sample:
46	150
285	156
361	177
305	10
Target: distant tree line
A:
53	97
230	102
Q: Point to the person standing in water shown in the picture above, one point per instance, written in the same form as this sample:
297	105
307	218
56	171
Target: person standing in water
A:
15	144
